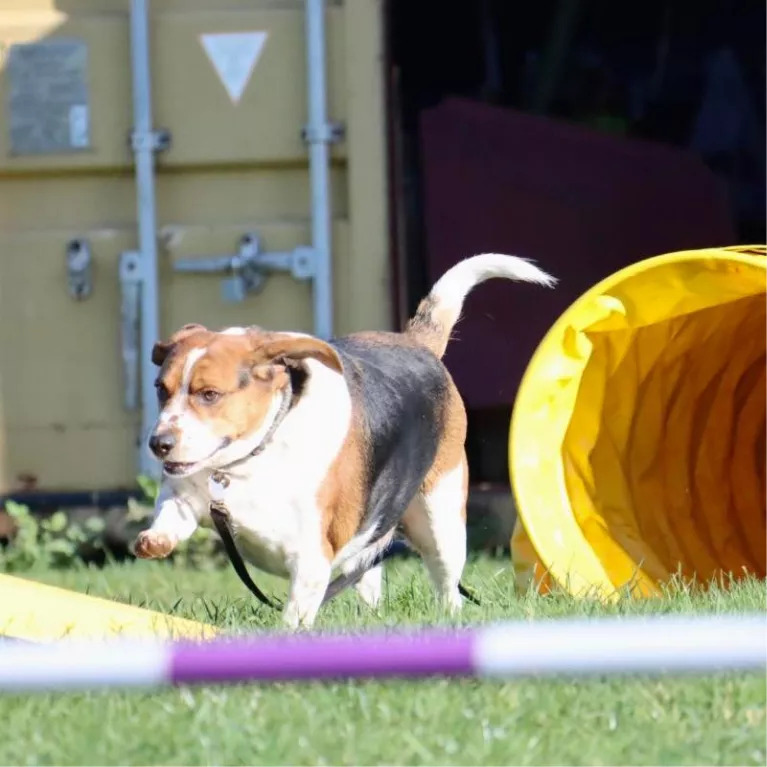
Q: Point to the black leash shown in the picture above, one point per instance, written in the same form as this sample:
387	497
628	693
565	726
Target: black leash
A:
470	595
220	516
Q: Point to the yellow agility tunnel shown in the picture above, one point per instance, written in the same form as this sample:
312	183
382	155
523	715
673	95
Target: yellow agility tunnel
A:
637	441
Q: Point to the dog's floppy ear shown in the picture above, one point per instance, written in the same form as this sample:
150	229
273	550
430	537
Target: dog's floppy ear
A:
301	347
161	349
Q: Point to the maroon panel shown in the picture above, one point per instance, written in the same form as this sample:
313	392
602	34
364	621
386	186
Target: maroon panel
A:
581	203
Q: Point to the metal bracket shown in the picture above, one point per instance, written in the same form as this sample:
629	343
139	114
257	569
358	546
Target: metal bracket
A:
246	275
130	295
329	133
154	141
248	269
79	269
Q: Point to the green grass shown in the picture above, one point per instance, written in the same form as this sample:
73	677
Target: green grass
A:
655	721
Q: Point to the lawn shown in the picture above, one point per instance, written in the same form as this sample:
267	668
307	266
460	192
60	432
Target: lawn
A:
654	721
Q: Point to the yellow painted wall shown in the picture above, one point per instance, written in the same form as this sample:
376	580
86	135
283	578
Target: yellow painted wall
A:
230	169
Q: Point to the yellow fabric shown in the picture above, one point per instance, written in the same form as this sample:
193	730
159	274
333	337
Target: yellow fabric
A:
636	449
37	612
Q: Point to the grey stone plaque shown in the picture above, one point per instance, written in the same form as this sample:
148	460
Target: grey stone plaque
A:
48	106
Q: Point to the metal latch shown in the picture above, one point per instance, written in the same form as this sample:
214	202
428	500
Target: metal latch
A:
154	141
248	269
79	269
130	300
329	133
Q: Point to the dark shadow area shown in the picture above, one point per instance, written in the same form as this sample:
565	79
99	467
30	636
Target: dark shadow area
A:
687	78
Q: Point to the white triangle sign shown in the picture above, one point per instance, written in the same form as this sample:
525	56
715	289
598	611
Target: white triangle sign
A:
234	55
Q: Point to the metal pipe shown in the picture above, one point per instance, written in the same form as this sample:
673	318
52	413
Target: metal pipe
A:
318	136
143	148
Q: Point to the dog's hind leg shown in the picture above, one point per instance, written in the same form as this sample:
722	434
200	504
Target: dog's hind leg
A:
435	524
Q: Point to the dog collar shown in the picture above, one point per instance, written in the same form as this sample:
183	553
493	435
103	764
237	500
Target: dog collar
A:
279	417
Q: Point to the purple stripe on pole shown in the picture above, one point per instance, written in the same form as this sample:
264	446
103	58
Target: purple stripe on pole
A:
322	657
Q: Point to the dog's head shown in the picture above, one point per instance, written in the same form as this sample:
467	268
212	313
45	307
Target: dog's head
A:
219	392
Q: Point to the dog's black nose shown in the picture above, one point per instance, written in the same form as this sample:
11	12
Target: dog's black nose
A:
162	444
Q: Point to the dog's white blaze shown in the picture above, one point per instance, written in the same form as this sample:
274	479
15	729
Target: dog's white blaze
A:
176	408
234	331
196	441
186	377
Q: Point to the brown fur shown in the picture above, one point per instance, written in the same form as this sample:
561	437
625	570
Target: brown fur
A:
451	448
341	497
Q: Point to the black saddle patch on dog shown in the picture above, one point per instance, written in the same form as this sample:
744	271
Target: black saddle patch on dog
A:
402	392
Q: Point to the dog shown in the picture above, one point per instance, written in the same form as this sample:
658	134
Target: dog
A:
328	447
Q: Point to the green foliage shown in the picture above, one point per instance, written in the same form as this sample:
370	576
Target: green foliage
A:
52	542
58	542
149	486
203	551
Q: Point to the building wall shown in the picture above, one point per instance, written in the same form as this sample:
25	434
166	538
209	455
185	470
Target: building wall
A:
231	168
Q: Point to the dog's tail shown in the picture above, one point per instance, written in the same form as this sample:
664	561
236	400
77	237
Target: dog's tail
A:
439	311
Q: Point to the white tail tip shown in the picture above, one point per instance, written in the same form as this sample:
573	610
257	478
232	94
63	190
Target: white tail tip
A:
516	268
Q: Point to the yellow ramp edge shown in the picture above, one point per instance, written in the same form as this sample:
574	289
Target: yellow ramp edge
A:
637	440
38	612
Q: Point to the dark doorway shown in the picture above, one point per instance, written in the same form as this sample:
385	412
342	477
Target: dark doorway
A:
670	73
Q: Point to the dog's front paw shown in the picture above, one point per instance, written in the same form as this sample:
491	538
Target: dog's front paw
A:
152	545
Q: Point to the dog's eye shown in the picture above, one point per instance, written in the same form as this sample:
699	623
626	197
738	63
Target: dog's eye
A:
162	392
209	396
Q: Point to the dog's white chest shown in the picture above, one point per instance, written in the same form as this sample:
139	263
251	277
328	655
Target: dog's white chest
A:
273	517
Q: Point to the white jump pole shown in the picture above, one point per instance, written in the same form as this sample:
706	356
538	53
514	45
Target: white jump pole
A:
658	645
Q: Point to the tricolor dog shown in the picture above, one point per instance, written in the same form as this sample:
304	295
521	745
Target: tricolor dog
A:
328	447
